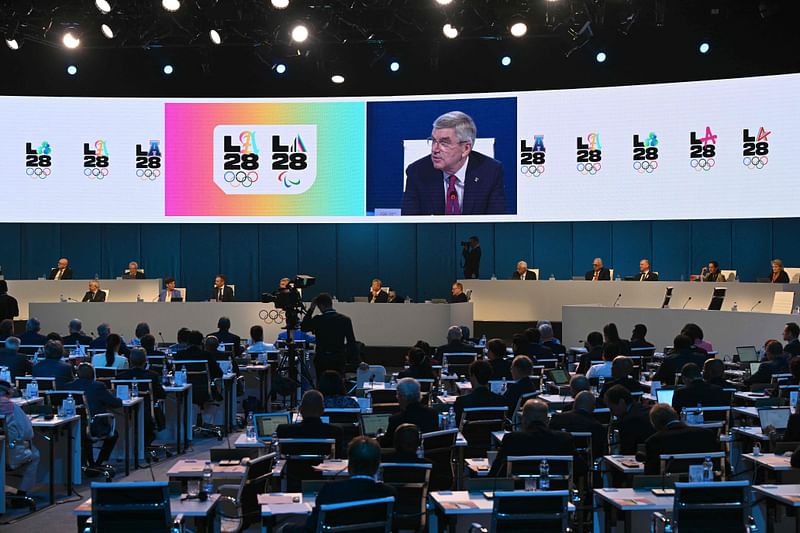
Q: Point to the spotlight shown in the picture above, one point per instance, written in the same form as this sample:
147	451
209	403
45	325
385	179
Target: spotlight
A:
171	5
601	57
13	44
337	78
518	28
704	48
107	31
394	66
280	4
505	61
299	33
444	2
280	68
215	36
72	70
450	31
103	6
70	41
168	69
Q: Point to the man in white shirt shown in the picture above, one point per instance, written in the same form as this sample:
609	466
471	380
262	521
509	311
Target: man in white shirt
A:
603	370
257	344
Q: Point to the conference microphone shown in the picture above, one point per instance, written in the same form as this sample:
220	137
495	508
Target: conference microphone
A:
617	300
686	302
162	338
71	299
664	491
756	305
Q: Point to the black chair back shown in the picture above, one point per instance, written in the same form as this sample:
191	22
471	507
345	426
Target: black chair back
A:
543	512
301	456
131	507
711	507
411	481
366	516
439	447
43	383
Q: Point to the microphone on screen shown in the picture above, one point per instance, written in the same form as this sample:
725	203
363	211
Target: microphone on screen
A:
756	305
162	338
617	300
686	302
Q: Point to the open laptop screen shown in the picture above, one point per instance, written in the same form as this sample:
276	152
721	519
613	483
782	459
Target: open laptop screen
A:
267	424
374	423
665	396
747	354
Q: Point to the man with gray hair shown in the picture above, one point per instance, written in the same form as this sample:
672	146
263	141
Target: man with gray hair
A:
411	412
454	179
523	273
32	337
103	331
549	340
17	363
455	342
53	366
76	334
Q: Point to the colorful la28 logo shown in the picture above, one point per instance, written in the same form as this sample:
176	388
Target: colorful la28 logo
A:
289	157
95	159
148	161
589	154
532	158
755	148
645	153
241	160
38	160
702	150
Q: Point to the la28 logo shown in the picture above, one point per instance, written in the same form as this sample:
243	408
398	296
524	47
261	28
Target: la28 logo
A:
589	154
38	160
702	150
148	162
645	153
755	148
96	159
532	158
291	156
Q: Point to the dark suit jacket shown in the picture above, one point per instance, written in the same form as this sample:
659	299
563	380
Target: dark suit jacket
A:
538	440
415	413
313	428
30	338
472	262
634	428
629	383
592	356
66	275
455	347
537	351
100	342
424	371
347	490
380	298
196	353
99	397
700	393
530	276
515	390
99	296
9	308
484	192
793	431
139	275
460	299
17	363
555	347
673	363
501	368
605	275
715	276
650	276
582	421
334	333
226	337
792	347
227	294
53	368
75	338
142	373
479	397
779	365
677	438
783	277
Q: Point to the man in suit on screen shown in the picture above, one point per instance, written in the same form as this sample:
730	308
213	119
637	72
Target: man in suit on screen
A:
454	179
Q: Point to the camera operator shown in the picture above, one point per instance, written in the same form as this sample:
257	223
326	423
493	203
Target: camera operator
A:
334	332
472	257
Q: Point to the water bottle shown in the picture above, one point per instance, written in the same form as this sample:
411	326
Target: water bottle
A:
164	374
134	390
230	364
251	428
36	356
757	449
139	298
708	470
483	341
735	307
494	277
420	451
444	366
552	277
698	415
451	418
96	275
183	376
34	389
61	298
71	406
600	382
544	475
208	484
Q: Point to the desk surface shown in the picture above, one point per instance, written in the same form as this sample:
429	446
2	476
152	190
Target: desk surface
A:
461	502
283	503
786	494
40	422
770	461
177	506
193	468
634	500
627	464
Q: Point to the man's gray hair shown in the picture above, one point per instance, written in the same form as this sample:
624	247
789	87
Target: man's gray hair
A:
12	343
75	325
408	388
546	331
454	333
104	329
33	324
466	131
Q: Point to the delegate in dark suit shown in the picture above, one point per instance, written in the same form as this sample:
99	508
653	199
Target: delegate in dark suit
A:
415	413
484	192
634	428
226	337
648	276
138	275
603	275
223	294
455	346
537	440
673	363
348	490
381	298
699	392
53	368
472	261
460	299
196	353
779	365
313	428
530	275
100	400
75	338
31	338
676	438
581	421
515	390
67	274
481	396
98	296
17	363
335	339
9	308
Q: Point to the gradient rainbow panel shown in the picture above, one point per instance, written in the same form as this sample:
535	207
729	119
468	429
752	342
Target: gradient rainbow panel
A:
339	187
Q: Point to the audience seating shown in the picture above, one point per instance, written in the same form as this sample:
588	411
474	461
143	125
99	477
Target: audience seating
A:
364	515
411	480
132	507
720	507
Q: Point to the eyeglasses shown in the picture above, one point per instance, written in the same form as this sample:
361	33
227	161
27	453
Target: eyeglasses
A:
444	144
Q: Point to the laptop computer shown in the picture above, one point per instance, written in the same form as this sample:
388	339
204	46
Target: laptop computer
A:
557	376
374	424
754	367
777	417
267	424
747	354
665	396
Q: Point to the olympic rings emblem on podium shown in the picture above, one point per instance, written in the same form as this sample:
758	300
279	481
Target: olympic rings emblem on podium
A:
272	316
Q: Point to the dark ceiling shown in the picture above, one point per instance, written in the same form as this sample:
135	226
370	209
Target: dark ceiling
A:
645	41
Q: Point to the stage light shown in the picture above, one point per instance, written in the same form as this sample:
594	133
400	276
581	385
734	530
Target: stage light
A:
103	6
518	28
450	31
171	5
601	57
394	66
72	70
13	44
215	36
444	2
337	78
70	40
280	4
505	61
280	68
704	48
107	31
168	69
299	33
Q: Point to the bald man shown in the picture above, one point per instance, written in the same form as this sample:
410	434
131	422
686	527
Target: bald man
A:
536	438
598	271
62	271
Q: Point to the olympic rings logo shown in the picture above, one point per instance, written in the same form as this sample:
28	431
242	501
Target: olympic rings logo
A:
147	173
757	161
272	316
240	177
93	173
702	164
645	166
589	168
532	170
37	172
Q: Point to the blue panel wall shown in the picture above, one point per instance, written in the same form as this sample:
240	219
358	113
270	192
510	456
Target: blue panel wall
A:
418	260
